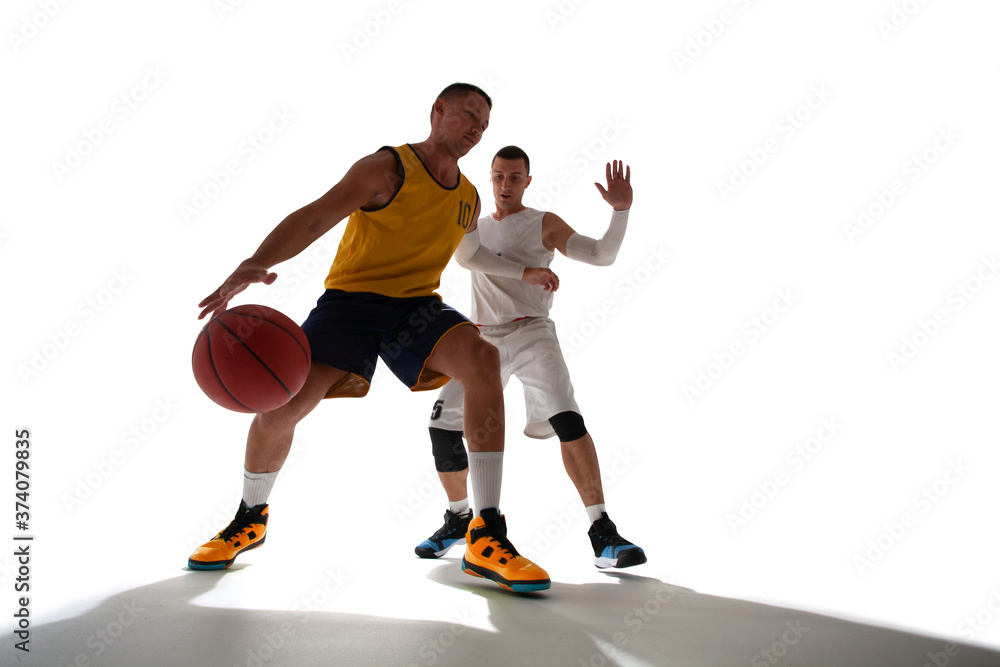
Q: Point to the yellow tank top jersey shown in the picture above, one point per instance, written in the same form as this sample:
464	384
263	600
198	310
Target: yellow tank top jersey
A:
400	249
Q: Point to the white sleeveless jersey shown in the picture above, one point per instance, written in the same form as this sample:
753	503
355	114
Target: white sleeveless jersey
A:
518	237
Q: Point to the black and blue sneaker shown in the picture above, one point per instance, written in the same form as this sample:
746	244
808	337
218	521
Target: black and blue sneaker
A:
454	529
610	548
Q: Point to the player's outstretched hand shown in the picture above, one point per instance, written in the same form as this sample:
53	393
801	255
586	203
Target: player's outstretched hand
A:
619	192
246	274
544	277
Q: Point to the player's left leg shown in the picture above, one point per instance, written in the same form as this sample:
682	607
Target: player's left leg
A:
537	361
580	460
583	468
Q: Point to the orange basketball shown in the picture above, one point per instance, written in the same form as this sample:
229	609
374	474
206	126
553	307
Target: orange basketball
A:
251	359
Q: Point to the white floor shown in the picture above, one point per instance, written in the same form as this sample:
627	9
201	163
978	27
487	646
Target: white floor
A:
620	619
385	608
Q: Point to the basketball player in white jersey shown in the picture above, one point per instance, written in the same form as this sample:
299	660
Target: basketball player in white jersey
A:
513	315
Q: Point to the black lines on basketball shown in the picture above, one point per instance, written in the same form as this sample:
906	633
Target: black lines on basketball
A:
251	359
255	356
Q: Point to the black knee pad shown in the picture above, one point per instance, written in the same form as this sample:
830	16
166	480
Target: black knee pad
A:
568	426
449	450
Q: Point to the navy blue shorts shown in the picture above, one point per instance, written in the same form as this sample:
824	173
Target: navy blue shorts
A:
351	330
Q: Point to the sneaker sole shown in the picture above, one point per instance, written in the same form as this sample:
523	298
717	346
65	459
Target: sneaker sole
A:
628	558
427	552
222	564
529	586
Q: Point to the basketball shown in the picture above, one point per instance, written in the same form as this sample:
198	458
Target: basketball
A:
251	359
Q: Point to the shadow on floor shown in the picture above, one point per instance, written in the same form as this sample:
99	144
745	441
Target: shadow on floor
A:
625	620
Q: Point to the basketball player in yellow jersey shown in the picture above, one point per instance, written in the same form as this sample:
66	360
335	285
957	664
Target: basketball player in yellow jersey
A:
410	209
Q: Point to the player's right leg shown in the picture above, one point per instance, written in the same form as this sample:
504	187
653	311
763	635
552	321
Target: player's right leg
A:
268	444
463	355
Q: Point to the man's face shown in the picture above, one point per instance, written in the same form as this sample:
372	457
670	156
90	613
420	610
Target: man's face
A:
463	122
510	178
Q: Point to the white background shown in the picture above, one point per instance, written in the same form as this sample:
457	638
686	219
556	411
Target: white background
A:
103	270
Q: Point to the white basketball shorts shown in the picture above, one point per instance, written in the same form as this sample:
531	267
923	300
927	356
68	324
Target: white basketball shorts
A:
529	351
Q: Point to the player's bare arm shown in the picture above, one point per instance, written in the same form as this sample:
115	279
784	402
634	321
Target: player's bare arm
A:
558	235
472	255
370	182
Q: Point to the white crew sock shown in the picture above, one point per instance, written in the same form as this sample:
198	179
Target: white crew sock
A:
459	506
257	486
486	473
594	511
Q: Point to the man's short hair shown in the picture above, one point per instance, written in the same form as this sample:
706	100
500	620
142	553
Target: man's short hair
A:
514	153
459	90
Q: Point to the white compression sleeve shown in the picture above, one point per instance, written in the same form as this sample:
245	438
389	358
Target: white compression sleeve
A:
473	255
602	251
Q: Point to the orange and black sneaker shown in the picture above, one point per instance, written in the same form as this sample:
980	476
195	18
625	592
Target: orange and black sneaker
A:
489	554
245	532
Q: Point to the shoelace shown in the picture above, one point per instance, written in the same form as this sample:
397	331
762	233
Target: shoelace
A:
240	523
505	546
451	525
500	540
496	530
609	534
